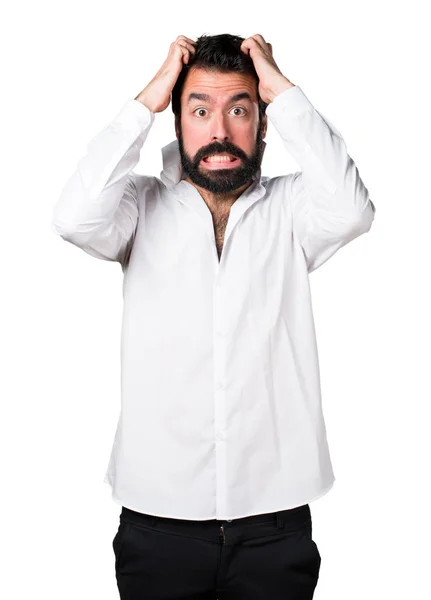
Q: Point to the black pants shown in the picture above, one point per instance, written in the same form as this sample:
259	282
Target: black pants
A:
262	557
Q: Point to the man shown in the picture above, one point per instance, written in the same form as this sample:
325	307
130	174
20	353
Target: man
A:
221	441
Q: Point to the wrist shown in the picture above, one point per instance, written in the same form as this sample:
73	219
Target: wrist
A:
143	100
279	87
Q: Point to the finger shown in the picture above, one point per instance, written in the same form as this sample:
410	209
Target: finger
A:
250	42
259	39
185	53
245	47
186	39
182	52
187	45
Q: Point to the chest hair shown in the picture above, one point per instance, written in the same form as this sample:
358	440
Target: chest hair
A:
220	221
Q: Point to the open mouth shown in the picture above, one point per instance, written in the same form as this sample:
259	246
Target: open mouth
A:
221	160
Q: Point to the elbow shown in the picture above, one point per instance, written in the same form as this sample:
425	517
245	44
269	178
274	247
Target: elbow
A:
64	230
362	221
72	232
56	227
68	234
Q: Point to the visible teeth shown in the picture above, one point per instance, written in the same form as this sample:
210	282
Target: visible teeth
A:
218	158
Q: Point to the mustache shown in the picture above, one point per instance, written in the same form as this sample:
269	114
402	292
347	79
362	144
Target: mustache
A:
218	148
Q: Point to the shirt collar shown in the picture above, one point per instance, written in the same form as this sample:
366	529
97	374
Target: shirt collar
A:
172	172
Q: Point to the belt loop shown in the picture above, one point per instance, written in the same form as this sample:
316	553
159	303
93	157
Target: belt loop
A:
280	522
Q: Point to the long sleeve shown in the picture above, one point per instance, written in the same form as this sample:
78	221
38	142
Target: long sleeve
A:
98	206
329	202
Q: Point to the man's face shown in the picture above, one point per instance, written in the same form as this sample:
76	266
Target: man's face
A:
220	124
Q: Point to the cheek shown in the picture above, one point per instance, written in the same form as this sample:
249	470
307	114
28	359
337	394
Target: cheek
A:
244	136
246	141
194	139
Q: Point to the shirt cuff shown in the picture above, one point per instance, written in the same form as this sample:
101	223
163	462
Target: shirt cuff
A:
133	112
290	102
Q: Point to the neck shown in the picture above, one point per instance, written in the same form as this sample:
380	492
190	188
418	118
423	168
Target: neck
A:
216	202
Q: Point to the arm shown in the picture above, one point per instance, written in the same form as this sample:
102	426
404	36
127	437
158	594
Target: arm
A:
329	202
98	209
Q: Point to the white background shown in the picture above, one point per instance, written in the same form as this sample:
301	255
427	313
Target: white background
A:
67	69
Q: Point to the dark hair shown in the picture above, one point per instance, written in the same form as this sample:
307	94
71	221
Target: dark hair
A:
217	53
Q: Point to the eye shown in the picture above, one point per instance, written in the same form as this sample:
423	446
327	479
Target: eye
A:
239	108
198	110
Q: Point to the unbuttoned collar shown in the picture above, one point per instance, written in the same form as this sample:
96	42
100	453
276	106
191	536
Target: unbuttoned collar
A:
173	177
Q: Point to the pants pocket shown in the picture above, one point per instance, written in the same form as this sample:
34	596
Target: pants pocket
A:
314	548
118	543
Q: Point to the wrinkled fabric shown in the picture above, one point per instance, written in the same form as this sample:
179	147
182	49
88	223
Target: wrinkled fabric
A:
221	413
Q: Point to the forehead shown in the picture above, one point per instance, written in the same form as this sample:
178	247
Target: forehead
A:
218	86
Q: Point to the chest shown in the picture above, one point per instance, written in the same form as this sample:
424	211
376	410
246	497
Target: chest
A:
220	220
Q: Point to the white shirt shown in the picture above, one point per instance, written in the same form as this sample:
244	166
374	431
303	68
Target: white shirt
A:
221	413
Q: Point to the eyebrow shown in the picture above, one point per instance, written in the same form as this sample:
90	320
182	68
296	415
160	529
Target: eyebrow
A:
206	98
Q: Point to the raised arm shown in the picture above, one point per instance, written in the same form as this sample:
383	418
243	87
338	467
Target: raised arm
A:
329	203
98	209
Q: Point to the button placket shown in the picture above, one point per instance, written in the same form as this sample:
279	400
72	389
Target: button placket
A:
219	385
219	395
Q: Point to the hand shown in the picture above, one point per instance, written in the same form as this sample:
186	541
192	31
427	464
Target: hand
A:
156	96
271	80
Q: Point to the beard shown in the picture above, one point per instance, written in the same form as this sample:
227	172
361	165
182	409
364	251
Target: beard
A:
222	181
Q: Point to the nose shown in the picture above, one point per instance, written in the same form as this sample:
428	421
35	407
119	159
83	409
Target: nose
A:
219	129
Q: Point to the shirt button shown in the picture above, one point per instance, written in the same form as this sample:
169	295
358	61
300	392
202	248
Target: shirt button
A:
220	385
220	437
